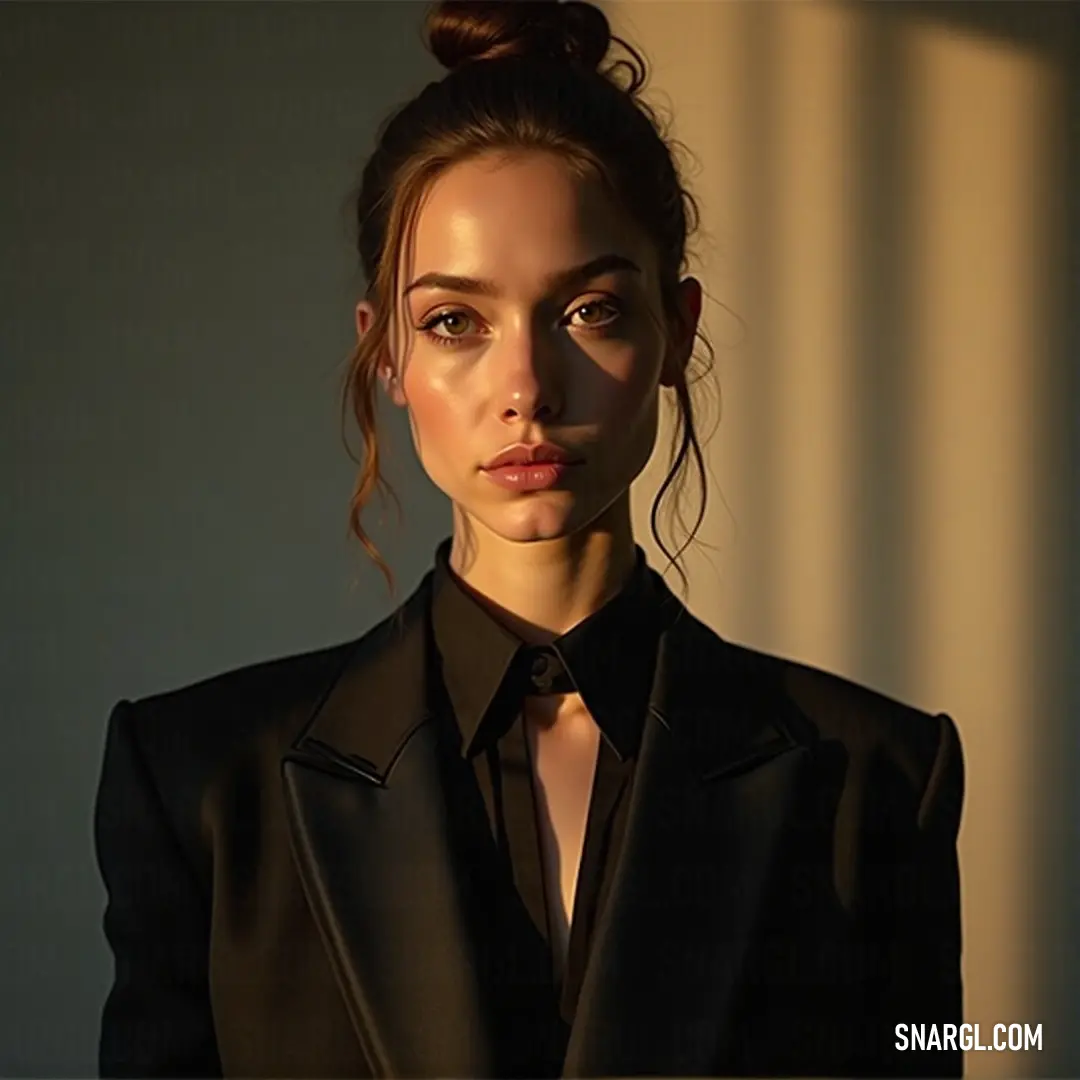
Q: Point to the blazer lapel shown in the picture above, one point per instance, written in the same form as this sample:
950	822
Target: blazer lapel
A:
717	778
412	905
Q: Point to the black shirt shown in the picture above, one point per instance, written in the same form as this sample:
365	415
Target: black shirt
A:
609	658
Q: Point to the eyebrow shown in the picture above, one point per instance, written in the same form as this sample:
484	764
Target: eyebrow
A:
561	279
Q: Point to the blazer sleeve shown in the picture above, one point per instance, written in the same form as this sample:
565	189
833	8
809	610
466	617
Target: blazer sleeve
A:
156	1019
923	982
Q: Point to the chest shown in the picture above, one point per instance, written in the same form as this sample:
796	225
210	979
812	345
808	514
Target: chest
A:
562	753
744	895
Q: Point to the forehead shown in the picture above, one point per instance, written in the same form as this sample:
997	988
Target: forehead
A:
515	219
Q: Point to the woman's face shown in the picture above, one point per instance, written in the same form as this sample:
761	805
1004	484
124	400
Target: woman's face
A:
529	312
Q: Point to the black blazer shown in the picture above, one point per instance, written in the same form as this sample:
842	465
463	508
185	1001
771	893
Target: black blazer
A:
290	896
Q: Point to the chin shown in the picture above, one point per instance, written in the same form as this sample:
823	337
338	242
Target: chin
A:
540	516
534	519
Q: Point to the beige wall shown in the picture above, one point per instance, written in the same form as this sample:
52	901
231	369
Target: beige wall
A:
878	195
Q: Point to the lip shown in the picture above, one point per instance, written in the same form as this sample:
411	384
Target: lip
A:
539	476
526	454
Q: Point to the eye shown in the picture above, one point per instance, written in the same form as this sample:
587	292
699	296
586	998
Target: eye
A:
454	326
455	321
597	314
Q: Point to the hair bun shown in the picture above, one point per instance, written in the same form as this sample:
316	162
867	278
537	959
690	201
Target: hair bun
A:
460	32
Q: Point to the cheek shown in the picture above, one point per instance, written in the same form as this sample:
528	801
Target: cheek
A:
436	415
623	389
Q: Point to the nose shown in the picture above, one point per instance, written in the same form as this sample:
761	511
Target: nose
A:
529	387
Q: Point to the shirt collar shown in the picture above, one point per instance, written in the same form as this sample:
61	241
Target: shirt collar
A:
610	656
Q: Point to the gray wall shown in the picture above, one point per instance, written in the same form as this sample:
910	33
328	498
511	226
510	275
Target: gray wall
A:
176	299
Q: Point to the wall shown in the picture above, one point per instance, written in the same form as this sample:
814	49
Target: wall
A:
177	292
884	192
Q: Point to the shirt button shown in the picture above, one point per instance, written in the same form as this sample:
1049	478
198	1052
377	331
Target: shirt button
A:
542	672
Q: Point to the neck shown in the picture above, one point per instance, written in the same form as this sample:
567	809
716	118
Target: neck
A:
542	588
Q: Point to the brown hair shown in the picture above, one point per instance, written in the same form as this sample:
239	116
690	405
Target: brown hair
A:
523	75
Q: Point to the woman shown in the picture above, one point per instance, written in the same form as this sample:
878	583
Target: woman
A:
541	821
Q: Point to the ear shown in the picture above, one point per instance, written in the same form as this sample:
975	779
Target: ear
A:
365	318
391	383
682	348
